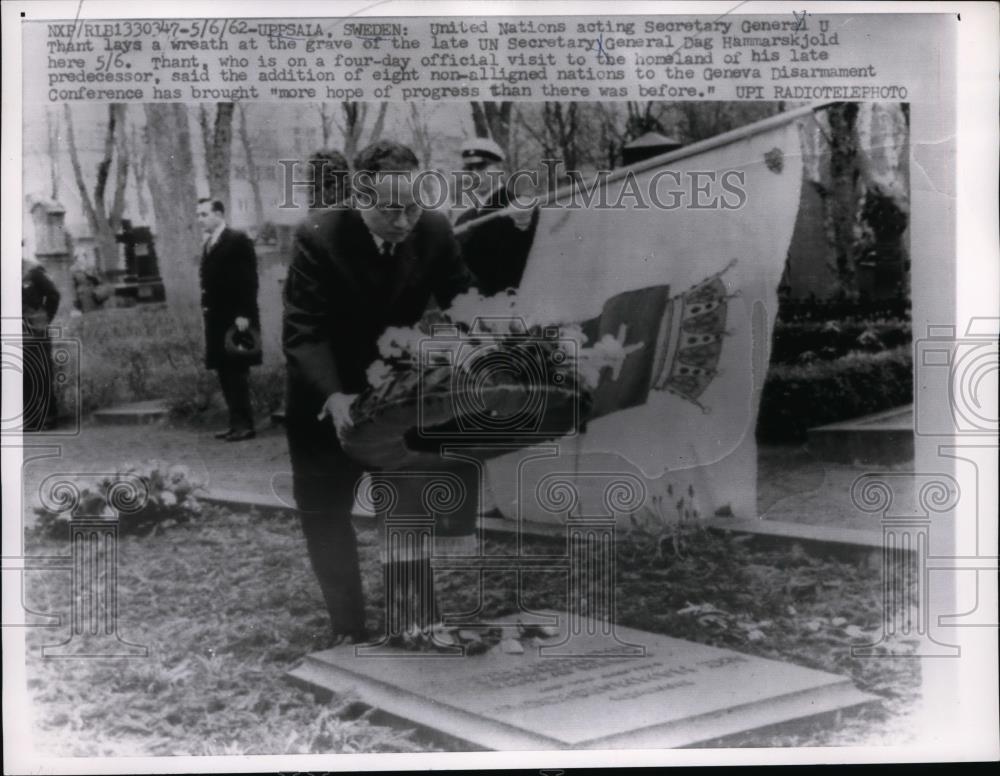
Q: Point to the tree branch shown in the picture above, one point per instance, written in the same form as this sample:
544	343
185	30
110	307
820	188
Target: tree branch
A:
74	158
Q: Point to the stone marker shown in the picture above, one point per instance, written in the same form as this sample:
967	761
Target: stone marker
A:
881	438
675	694
133	413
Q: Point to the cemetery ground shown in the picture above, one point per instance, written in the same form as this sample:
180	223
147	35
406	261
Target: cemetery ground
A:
227	604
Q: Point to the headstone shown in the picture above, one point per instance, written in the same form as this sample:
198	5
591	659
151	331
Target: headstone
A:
671	693
51	246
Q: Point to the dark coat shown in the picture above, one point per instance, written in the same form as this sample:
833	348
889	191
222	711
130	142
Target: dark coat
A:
39	299
228	292
341	294
496	250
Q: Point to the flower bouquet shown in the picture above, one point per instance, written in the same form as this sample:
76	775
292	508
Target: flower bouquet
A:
487	374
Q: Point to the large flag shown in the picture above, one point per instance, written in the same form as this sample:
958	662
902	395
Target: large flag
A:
696	289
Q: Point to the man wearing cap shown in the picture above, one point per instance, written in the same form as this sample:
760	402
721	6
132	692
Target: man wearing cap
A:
496	250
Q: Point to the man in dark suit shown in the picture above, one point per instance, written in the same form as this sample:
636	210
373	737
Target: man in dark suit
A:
354	272
39	304
496	250
228	298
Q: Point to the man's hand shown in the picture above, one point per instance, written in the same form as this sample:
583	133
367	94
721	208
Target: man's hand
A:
242	324
338	408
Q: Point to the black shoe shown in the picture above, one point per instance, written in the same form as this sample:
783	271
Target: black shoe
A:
223	434
240	436
343	639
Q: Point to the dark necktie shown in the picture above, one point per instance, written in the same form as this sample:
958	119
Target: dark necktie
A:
387	248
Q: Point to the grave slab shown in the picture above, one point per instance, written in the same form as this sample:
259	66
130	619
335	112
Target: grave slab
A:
134	413
881	438
674	693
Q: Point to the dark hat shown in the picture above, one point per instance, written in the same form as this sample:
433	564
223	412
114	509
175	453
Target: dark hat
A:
482	149
242	345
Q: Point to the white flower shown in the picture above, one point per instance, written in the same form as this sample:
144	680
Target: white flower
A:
168	498
465	308
572	333
399	342
178	473
378	373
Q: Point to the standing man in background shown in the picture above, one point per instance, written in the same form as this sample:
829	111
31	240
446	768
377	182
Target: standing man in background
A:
229	299
496	250
39	304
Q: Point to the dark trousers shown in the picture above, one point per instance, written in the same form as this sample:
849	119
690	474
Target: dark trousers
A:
37	375
235	382
323	481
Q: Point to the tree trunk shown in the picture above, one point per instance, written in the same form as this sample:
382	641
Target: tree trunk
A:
93	204
843	196
325	124
52	125
420	135
174	194
121	176
139	155
353	128
218	144
252	176
379	125
492	119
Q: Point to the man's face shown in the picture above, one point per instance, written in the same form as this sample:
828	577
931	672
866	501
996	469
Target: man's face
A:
488	175
395	210
208	219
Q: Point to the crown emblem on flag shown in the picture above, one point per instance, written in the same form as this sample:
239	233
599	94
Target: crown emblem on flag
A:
690	339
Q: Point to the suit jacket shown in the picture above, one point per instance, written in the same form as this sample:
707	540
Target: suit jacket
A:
496	251
39	300
228	291
341	294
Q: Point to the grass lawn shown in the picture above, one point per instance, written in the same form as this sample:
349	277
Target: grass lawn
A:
227	605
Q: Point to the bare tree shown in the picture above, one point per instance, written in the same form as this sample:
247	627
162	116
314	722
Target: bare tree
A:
557	131
138	140
694	121
843	195
103	223
642	117
325	122
611	134
352	126
174	193
217	138
421	138
52	127
493	119
253	174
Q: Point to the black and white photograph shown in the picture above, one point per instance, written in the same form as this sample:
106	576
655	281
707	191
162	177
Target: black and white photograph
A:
534	380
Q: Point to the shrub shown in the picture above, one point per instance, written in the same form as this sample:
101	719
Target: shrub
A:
798	397
171	497
798	342
147	352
